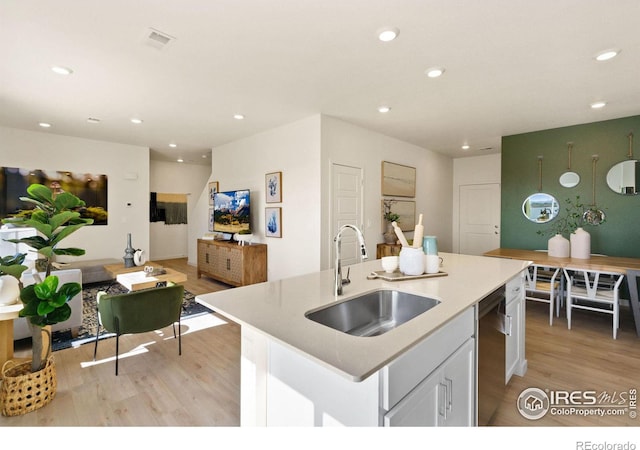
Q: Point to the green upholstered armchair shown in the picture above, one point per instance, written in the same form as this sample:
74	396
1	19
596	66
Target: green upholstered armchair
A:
140	312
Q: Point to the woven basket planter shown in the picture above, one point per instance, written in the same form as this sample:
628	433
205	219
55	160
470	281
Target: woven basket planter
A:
22	391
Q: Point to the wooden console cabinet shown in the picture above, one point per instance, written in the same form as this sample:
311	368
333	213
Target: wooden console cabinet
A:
233	264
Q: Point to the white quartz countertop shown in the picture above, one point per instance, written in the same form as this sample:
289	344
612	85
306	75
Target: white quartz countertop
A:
277	309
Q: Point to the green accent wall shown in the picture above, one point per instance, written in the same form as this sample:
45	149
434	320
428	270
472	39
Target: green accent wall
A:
620	234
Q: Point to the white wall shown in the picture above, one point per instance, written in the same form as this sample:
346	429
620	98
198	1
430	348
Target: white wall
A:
172	241
472	170
40	150
348	144
304	152
294	150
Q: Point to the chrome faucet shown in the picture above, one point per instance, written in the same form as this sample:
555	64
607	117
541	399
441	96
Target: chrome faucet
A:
338	281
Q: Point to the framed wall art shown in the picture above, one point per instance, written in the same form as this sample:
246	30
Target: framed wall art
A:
273	187
213	189
273	222
91	188
398	180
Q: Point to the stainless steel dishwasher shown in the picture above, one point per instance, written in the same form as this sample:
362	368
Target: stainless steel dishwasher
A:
493	325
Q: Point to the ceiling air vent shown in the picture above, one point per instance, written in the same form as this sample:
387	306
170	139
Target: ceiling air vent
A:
157	39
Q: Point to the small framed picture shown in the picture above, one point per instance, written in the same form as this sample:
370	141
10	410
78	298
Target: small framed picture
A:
273	187
273	222
213	189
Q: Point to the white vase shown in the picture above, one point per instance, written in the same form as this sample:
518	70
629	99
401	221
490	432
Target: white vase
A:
558	246
580	244
411	261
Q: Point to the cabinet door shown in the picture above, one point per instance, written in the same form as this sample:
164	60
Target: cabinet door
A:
444	398
205	257
229	264
420	407
512	344
458	378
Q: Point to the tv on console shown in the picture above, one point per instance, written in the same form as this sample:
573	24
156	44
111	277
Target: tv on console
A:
231	212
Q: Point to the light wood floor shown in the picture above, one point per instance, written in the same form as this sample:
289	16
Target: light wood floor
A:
156	387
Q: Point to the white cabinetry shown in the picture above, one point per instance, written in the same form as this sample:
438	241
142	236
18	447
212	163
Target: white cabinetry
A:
433	383
444	398
515	339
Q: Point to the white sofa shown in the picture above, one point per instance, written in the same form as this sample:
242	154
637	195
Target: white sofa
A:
21	328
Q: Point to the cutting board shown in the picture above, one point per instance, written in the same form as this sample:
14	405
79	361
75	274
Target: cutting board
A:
399	276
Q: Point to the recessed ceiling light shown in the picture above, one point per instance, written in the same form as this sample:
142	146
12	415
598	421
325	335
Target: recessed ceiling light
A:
598	105
136	121
204	156
93	120
388	34
62	70
180	160
384	109
434	72
465	147
607	55
45	125
172	145
238	116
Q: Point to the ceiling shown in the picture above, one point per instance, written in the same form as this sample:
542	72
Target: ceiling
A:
511	66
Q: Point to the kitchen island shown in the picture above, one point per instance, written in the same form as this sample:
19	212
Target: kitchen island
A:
297	371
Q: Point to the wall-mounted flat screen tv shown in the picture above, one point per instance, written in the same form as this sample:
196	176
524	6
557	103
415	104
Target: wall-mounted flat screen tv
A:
231	212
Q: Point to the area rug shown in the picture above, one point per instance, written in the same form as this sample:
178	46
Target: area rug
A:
87	333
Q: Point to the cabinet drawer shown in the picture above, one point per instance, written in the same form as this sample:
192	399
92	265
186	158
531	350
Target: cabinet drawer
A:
403	374
514	289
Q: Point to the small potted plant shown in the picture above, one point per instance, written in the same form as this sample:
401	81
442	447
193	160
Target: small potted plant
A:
390	217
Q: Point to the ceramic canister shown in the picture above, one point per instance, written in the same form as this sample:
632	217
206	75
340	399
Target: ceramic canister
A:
411	261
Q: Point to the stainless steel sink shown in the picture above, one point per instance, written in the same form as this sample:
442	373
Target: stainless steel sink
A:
373	313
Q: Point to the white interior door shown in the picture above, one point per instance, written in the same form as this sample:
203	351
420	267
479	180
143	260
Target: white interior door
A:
479	218
346	208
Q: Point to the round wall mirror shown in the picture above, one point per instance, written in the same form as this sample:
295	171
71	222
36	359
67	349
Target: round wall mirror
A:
540	207
569	179
623	177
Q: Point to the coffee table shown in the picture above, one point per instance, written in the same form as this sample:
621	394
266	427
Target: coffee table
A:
134	281
116	269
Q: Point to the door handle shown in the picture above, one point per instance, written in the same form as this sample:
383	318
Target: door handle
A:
449	385
442	400
508	328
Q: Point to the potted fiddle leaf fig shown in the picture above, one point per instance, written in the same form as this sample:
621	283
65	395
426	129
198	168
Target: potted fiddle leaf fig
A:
54	216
